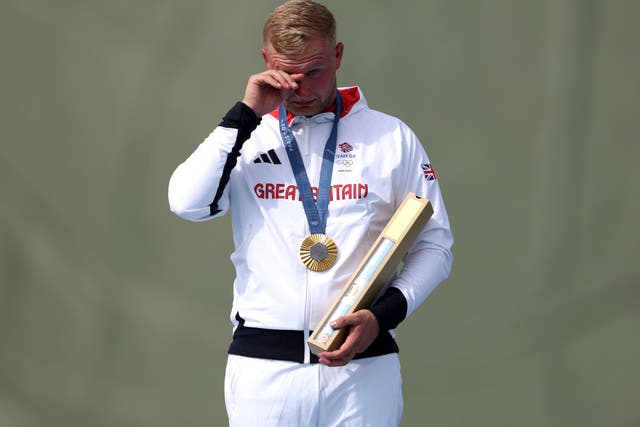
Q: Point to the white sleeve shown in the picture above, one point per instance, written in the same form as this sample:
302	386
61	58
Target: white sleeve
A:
429	260
198	188
195	183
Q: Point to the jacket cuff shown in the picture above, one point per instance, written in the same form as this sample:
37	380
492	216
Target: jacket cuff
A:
390	309
241	117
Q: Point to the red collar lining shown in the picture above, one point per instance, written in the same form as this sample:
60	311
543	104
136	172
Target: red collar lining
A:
350	96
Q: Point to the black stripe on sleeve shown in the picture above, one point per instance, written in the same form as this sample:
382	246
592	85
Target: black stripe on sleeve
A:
245	120
240	117
390	309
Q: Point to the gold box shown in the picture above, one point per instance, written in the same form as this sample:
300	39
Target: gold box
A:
374	270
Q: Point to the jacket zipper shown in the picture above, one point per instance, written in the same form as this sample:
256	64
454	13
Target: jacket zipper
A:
307	302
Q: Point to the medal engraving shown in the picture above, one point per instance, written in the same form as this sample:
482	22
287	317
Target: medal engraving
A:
318	252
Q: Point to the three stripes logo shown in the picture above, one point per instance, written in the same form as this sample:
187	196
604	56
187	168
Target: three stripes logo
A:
269	157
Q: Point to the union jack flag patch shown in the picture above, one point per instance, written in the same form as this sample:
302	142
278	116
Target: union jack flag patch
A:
429	173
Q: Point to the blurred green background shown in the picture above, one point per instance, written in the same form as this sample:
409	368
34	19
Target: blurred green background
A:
113	312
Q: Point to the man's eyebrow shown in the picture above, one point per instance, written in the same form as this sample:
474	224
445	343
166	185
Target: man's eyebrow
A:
313	66
317	64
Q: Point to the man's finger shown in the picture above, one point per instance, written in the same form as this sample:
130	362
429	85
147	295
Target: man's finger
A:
285	79
341	322
273	81
345	353
297	77
333	362
348	320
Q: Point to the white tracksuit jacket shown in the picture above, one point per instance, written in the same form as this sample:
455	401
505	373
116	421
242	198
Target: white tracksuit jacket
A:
378	161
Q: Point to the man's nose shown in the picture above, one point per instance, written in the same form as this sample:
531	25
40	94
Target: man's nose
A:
303	88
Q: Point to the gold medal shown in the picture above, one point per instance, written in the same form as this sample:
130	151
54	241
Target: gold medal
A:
318	252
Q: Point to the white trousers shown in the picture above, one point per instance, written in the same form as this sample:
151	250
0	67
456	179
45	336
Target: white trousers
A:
365	392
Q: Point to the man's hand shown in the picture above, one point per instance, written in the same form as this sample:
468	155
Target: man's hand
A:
363	329
266	90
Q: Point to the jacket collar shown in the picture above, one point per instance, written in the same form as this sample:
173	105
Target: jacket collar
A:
350	98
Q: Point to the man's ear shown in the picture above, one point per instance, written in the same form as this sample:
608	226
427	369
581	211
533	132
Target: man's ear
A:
339	51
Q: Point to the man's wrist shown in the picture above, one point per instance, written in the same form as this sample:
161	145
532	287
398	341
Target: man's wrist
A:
252	106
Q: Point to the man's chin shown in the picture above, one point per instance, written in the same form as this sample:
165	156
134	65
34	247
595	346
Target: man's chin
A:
303	109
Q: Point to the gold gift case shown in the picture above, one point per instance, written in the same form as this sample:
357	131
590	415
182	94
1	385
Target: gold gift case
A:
374	270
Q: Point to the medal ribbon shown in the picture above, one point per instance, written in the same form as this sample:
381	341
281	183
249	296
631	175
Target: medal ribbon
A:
316	212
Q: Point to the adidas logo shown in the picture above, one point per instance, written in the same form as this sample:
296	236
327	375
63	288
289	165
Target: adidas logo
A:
268	157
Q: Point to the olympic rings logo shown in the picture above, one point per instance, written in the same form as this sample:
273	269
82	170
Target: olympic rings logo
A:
344	162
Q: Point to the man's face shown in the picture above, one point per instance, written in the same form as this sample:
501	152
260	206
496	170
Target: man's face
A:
318	62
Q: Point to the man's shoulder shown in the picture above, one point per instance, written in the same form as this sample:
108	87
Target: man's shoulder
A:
376	118
362	108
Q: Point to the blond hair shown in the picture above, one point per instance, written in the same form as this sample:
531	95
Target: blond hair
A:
291	25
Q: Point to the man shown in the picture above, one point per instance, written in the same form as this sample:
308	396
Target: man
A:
299	158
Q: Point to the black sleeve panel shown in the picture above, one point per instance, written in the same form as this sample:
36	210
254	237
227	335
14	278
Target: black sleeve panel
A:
242	118
390	309
245	120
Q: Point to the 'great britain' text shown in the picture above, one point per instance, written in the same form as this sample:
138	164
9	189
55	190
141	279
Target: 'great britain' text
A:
290	192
